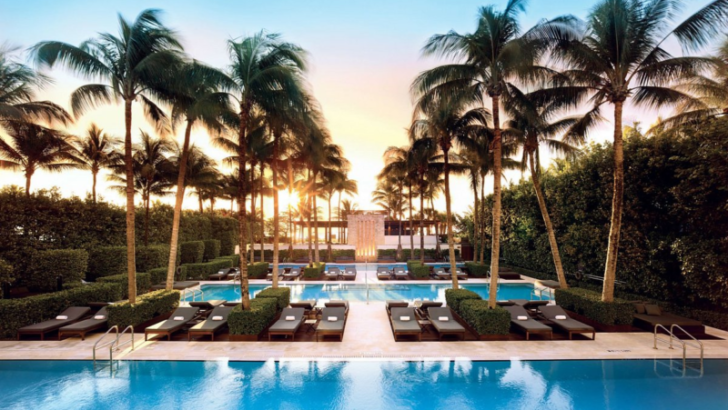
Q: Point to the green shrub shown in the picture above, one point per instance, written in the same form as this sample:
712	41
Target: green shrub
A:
282	295
418	270
157	275
453	298
6	272
254	321
46	266
192	252
257	270
212	249
479	270
228	241
143	280
151	257
315	271
198	271
146	308
337	253
484	320
234	259
106	261
588	303
16	313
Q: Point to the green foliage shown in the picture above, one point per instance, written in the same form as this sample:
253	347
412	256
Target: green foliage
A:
588	303
392	254
146	308
282	295
228	241
212	249
159	275
16	313
200	271
143	281
315	271
106	261
479	270
484	320
46	266
235	259
418	270
192	252
257	270
454	297
253	321
6	272
151	257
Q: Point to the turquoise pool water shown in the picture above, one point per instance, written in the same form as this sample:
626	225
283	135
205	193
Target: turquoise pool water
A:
360	292
632	384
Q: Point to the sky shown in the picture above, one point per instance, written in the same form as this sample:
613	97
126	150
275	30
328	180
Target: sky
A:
363	58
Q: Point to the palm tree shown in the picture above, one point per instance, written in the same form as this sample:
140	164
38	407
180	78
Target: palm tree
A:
344	186
201	171
426	163
134	65
345	209
31	147
398	169
153	172
619	58
388	196
98	151
489	59
262	67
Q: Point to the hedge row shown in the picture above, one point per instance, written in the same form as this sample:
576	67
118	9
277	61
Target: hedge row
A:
253	321
453	297
234	259
46	266
475	311
212	249
588	303
282	295
418	270
200	271
192	252
111	260
257	270
479	270
303	253
146	308
315	271
429	253
143	282
16	313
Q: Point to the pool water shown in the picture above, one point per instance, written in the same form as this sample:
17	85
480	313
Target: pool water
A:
628	384
360	292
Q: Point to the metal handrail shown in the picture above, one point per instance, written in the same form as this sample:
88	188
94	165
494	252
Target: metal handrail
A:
194	294
686	343
117	345
96	345
683	343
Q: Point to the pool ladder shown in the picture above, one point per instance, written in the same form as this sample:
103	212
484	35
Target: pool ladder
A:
195	292
693	342
115	344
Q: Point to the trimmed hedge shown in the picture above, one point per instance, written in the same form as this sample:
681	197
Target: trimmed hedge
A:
143	281
234	259
212	249
151	257
588	303
282	295
479	270
228	241
46	266
203	270
418	270
429	253
315	271
484	320
257	270
6	272
146	308
254	321
16	313
192	252
453	298
106	261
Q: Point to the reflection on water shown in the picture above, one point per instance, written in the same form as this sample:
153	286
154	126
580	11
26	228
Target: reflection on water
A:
357	385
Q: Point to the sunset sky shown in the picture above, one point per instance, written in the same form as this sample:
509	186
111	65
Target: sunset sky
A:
364	56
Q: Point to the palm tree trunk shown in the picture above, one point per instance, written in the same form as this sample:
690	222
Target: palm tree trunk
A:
276	216
178	200
450	242
476	227
130	234
253	213
422	226
495	244
610	270
262	214
330	255
549	226
315	222
28	175
147	205
308	220
93	187
482	219
341	228
243	240
412	238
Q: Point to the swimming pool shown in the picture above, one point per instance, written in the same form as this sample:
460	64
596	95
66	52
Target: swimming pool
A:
628	384
360	292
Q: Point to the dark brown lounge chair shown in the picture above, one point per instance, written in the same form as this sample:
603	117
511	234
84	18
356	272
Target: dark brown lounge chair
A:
349	273
445	327
439	273
294	273
423	305
396	304
401	273
529	325
648	322
509	275
210	326
332	328
338	303
222	274
286	327
460	274
332	273
384	273
172	325
569	325
98	321
409	327
206	306
529	304
73	314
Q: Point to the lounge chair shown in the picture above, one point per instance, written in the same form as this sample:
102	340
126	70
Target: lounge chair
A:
648	319
400	273
460	274
333	323
439	273
235	275
524	322
221	274
509	275
404	322
207	306
529	304
99	321
332	273
349	273
384	273
396	304
338	303
291	319
293	274
176	322
306	304
68	316
559	318
231	304
215	321
423	305
443	321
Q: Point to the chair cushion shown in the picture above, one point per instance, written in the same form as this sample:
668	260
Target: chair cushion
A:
640	308
653	310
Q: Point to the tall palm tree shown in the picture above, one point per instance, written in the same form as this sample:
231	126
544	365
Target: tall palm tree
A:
262	66
31	147
201	171
345	209
388	196
619	58
398	168
134	66
488	60
98	150
426	162
349	187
